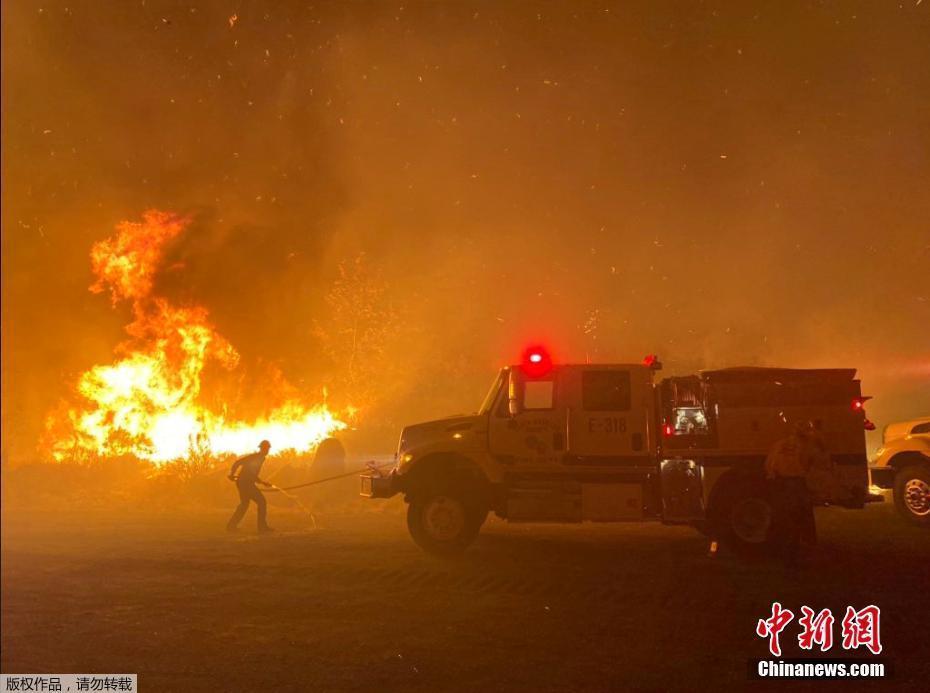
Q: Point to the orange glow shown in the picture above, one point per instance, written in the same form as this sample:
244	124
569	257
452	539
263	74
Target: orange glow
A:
146	402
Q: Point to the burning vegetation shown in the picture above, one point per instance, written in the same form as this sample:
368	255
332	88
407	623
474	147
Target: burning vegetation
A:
148	402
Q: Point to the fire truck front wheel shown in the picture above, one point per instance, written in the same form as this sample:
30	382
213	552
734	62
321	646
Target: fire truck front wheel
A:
743	517
912	494
444	521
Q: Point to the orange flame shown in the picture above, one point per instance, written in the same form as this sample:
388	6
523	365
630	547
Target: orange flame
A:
146	403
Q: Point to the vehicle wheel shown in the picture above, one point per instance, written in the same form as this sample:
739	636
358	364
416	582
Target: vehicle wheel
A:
444	522
744	518
912	494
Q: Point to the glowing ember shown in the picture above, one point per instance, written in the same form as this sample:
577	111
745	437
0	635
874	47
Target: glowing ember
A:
146	403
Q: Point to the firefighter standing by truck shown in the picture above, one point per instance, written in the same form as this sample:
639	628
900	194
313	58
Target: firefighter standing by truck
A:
788	468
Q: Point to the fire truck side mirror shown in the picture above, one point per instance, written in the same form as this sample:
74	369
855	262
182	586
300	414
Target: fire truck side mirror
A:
514	393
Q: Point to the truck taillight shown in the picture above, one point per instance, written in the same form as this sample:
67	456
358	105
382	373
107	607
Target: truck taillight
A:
858	403
858	406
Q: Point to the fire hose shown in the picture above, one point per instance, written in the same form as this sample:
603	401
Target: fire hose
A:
284	491
370	466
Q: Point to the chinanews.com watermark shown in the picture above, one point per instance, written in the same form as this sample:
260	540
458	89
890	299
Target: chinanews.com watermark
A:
818	669
859	633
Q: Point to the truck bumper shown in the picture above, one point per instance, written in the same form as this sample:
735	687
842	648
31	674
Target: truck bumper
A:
883	477
379	486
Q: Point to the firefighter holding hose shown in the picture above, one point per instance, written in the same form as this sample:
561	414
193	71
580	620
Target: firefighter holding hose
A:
248	469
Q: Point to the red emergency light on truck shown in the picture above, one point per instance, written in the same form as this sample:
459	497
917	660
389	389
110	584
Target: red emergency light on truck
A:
585	442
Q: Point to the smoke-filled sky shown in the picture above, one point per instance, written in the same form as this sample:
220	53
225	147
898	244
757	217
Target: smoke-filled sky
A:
723	183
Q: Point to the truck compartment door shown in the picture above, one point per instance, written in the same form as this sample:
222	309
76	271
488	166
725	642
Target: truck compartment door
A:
610	415
612	502
682	490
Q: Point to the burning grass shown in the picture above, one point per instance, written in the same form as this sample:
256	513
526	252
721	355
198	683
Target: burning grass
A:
148	403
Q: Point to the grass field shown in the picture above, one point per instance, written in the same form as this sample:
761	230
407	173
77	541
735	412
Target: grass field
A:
353	604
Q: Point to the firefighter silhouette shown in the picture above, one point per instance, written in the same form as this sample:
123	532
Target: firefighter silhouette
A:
249	468
787	467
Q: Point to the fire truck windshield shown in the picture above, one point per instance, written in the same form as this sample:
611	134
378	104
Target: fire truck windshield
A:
492	393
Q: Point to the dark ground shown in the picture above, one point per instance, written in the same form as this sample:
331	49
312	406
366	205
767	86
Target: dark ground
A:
355	605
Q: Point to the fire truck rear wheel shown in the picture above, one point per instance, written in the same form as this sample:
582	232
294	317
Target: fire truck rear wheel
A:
743	518
444	521
912	494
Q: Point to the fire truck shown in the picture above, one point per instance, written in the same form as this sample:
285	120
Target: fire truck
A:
604	443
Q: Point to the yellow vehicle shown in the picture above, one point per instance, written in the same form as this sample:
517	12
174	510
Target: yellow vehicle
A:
585	442
903	464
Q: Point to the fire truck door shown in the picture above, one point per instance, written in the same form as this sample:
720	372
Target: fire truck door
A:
535	435
609	418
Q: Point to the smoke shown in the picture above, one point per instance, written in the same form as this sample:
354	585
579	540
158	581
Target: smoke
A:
718	184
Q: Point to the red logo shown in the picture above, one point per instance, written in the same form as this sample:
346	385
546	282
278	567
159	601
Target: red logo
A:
815	629
771	627
860	628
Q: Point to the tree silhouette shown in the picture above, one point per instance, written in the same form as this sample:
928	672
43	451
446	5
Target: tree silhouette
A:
359	332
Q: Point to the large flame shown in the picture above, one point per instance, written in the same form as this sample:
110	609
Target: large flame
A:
146	403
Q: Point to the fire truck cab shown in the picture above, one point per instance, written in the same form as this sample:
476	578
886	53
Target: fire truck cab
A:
584	442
